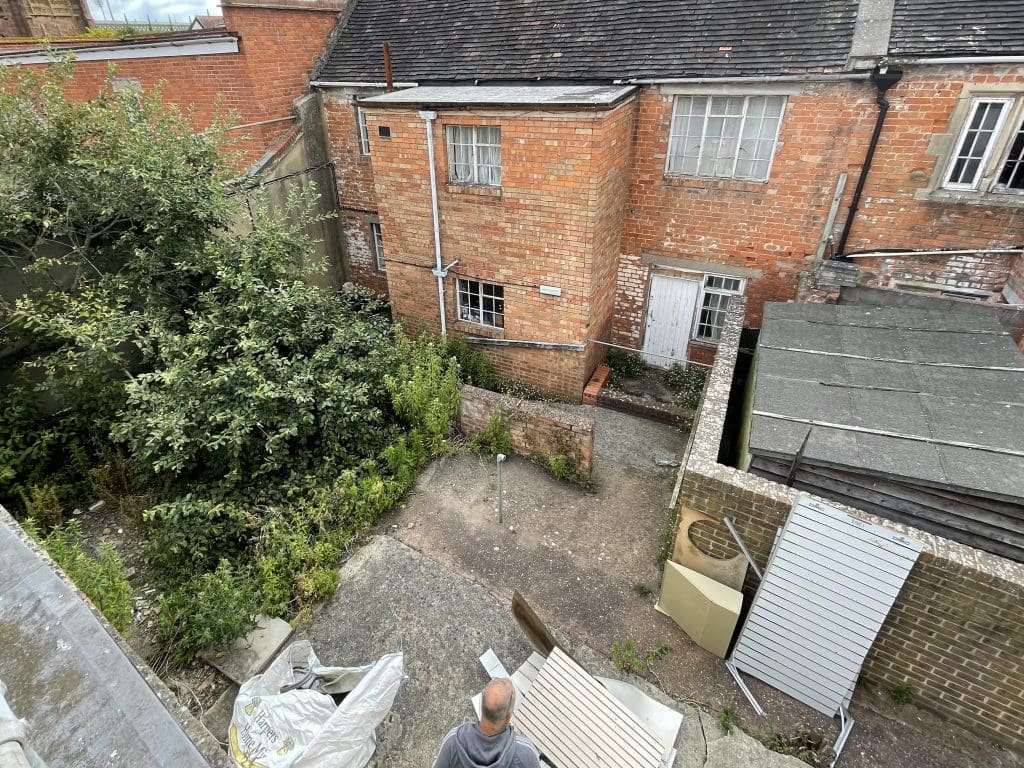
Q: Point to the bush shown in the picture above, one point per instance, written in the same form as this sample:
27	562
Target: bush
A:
425	388
559	467
102	578
209	609
294	565
192	535
494	438
42	506
474	368
629	365
688	384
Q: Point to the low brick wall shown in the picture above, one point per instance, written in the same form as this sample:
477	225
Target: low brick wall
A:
535	429
956	631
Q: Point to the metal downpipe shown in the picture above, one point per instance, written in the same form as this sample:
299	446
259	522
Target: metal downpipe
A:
438	270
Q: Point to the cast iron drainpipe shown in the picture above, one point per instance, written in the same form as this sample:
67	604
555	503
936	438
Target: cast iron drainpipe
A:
884	78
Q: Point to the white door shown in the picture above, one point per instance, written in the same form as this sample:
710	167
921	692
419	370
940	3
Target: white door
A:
671	305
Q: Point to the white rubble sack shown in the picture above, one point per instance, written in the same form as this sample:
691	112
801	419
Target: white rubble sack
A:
286	718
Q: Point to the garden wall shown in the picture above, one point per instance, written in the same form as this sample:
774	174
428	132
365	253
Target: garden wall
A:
956	631
534	428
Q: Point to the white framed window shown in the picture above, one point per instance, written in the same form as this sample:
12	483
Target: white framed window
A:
474	154
364	133
716	294
378	246
988	155
726	137
482	303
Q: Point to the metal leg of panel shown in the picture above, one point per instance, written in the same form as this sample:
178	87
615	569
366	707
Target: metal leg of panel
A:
847	725
743	687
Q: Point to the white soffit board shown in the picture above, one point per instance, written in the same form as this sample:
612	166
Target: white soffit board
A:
577	723
828	587
203	46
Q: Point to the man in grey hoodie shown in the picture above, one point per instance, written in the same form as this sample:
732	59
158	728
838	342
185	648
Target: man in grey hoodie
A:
493	743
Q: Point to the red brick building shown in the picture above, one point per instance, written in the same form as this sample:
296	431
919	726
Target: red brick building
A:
252	67
617	174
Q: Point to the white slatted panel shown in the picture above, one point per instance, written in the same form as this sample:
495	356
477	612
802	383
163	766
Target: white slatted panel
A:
829	585
577	723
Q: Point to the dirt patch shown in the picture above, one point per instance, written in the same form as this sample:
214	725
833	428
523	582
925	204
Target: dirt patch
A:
585	559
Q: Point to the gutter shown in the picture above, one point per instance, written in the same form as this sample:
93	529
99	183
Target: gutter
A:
356	84
884	79
962	60
745	79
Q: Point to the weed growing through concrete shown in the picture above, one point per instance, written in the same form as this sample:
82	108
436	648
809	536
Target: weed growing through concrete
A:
642	590
494	438
727	719
627	658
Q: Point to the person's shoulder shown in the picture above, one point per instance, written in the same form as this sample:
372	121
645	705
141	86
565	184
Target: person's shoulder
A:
527	754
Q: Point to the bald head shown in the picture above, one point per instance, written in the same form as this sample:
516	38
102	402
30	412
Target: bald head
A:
496	706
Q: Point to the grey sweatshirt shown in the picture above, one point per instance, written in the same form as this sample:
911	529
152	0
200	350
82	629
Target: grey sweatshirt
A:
467	747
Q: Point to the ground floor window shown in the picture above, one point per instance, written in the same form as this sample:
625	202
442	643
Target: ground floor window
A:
378	246
482	303
715	297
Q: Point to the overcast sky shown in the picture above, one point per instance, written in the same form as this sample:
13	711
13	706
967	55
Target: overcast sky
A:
158	10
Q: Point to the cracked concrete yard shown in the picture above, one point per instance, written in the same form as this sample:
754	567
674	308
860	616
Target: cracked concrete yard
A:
586	560
392	595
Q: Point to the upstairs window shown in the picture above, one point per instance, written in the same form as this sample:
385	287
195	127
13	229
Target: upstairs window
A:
482	303
988	155
378	247
364	134
716	295
726	137
474	154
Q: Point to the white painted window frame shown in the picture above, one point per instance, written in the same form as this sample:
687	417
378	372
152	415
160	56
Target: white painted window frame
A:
449	140
459	291
364	133
998	141
1010	136
746	103
377	238
705	291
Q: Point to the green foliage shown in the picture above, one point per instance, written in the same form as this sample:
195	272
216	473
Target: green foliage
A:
628	365
494	438
474	368
904	693
425	388
103	33
627	658
559	467
641	589
728	719
687	382
42	506
193	534
101	578
209	609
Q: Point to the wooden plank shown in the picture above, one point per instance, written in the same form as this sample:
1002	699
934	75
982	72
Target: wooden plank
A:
577	723
534	629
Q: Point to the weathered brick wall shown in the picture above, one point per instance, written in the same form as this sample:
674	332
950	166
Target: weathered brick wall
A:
277	48
535	429
561	232
911	146
977	271
956	631
771	227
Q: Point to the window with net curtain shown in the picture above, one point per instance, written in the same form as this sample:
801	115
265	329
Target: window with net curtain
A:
474	154
726	137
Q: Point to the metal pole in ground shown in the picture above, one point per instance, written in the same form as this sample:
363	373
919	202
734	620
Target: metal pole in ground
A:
500	459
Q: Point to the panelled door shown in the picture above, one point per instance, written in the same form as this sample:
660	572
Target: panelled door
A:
671	306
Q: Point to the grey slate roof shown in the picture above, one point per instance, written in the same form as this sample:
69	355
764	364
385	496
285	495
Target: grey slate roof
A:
896	375
509	40
933	28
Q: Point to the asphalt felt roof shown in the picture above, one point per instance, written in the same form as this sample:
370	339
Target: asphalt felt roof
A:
931	396
506	95
459	40
929	28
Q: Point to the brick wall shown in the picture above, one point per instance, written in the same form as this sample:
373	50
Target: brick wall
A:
535	429
956	631
561	232
277	48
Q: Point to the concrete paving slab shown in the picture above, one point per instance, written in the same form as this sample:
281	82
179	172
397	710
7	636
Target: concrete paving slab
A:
390	594
217	718
251	654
